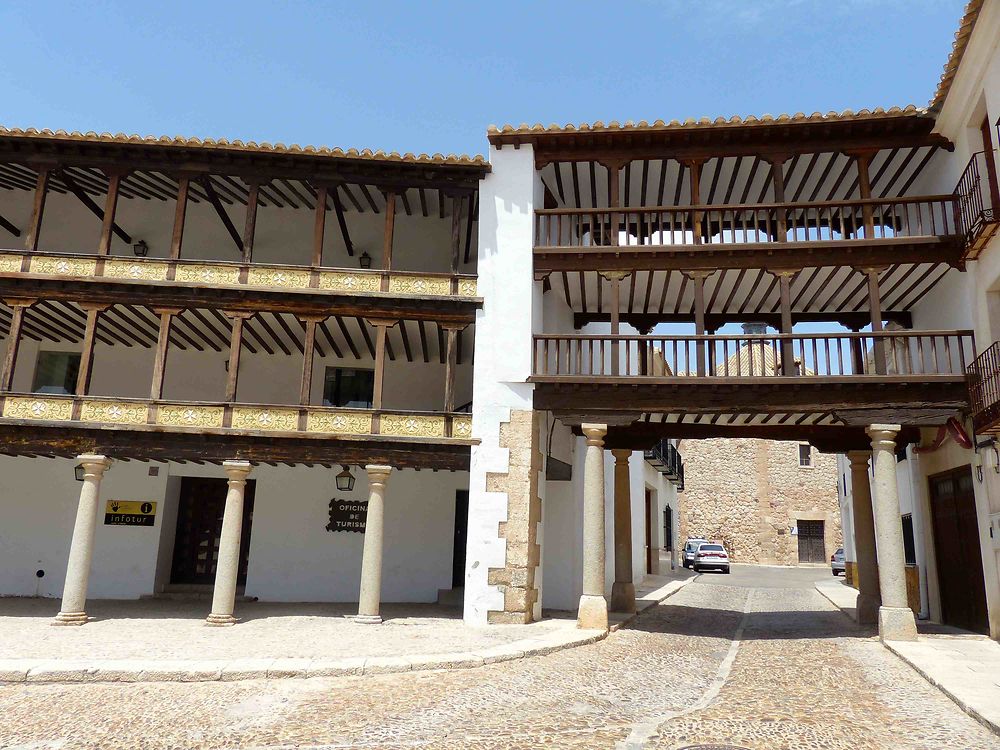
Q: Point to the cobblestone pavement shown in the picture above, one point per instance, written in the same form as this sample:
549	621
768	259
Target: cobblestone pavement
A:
724	661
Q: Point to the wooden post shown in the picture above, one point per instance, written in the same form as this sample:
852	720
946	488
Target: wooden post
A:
180	213
160	359
456	237
614	198
110	205
694	171
778	181
251	223
18	306
390	219
615	277
865	188
37	209
235	348
451	362
87	351
699	317
308	356
319	226
381	332
875	306
857	353
785	295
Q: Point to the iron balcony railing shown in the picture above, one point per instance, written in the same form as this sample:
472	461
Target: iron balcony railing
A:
667	460
984	389
890	354
977	195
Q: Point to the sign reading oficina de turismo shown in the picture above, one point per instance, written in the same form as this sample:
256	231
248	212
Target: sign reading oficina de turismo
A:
129	513
348	515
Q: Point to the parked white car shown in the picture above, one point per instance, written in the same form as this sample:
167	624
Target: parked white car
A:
690	547
711	556
837	562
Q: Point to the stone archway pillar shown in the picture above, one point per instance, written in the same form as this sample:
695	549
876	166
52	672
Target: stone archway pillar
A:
371	562
895	618
869	598
81	549
227	567
593	612
623	589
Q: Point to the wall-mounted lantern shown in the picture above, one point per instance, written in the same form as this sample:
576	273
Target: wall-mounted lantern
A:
345	480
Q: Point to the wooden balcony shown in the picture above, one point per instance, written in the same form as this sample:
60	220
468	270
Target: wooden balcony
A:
790	374
880	230
978	197
284	288
197	430
984	390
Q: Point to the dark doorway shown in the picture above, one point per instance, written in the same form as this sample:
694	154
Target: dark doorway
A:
199	527
461	538
812	547
650	549
956	549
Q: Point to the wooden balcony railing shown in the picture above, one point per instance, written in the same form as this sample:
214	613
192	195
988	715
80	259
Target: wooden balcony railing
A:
826	221
890	354
228	274
202	416
984	389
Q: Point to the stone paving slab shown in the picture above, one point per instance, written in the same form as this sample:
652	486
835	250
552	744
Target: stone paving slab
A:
557	635
840	595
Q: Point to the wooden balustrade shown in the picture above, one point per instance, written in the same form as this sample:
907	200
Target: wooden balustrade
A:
818	355
924	216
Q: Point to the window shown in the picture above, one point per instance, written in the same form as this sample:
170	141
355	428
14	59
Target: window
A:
55	372
909	548
345	386
805	455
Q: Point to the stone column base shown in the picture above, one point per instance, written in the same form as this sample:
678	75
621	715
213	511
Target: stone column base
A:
367	619
623	597
70	618
220	621
867	609
896	624
593	613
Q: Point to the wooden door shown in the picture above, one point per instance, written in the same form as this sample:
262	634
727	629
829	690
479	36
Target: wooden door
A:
812	547
650	549
461	539
199	528
956	549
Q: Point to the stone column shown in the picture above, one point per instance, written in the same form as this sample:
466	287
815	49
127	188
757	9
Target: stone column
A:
593	612
371	561
81	548
864	539
895	618
622	590
227	567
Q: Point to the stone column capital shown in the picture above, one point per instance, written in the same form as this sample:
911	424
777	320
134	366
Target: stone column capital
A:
237	471
378	473
595	433
621	455
883	436
94	465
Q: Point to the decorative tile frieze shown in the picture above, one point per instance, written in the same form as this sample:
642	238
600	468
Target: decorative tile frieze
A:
117	268
10	263
461	427
64	266
282	278
48	409
264	418
339	423
115	412
468	288
411	425
179	415
203	273
340	281
422	285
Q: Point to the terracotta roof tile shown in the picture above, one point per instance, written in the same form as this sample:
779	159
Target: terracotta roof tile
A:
965	27
246	146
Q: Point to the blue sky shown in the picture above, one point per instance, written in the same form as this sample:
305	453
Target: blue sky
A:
431	76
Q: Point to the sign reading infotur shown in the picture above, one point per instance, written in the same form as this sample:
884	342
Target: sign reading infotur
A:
348	515
129	513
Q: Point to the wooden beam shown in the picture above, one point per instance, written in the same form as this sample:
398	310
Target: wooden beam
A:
785	302
865	187
160	359
305	387
250	226
338	208
180	212
319	226
451	362
387	236
456	228
87	352
37	209
110	206
213	198
875	306
13	342
235	348
87	201
6	224
699	316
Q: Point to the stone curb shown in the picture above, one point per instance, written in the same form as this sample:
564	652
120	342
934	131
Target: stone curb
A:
965	706
214	670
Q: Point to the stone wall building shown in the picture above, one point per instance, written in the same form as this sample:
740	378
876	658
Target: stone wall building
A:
754	494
